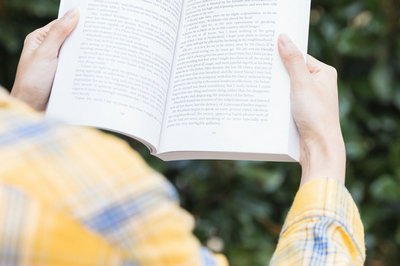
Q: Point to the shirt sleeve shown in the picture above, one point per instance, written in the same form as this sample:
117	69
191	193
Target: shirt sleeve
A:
323	227
76	196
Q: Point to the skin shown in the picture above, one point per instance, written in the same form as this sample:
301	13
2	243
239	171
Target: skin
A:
38	63
315	108
314	95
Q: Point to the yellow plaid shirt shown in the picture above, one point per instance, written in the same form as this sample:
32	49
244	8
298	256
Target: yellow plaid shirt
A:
75	196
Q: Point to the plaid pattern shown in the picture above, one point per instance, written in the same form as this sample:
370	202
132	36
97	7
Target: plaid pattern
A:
322	228
73	196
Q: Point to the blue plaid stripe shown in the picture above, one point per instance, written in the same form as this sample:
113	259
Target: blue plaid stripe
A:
114	215
130	263
86	182
207	257
25	131
311	227
12	225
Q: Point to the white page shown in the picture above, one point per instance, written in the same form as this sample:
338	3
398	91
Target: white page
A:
294	22
114	69
229	90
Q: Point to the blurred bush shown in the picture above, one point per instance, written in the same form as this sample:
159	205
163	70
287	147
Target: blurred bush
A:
240	206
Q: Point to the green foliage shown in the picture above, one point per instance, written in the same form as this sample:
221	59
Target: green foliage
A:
240	206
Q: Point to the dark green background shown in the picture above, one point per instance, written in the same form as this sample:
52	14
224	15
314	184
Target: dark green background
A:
244	204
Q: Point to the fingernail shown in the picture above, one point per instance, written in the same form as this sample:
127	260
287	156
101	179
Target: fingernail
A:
284	41
71	14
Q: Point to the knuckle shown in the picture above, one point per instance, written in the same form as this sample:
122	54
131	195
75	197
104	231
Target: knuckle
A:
29	38
35	36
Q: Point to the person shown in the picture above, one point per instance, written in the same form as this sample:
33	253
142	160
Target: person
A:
76	196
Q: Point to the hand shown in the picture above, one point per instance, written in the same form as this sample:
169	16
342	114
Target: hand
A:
38	62
315	107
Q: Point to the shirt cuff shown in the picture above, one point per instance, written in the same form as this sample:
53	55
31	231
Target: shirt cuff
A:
329	198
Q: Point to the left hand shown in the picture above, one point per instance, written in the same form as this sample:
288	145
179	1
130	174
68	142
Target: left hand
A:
38	63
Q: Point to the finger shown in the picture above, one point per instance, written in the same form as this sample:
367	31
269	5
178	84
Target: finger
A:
34	39
47	28
293	60
59	32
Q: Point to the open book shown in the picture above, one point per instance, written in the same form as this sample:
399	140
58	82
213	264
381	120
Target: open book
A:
191	79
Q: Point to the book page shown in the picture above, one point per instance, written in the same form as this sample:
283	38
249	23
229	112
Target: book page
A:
230	91
114	70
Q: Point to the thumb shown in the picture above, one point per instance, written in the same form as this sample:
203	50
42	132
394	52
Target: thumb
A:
59	32
293	60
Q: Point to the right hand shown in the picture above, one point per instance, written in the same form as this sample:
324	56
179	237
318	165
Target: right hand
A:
315	108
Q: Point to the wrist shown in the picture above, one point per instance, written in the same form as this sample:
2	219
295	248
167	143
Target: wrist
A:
22	93
323	159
